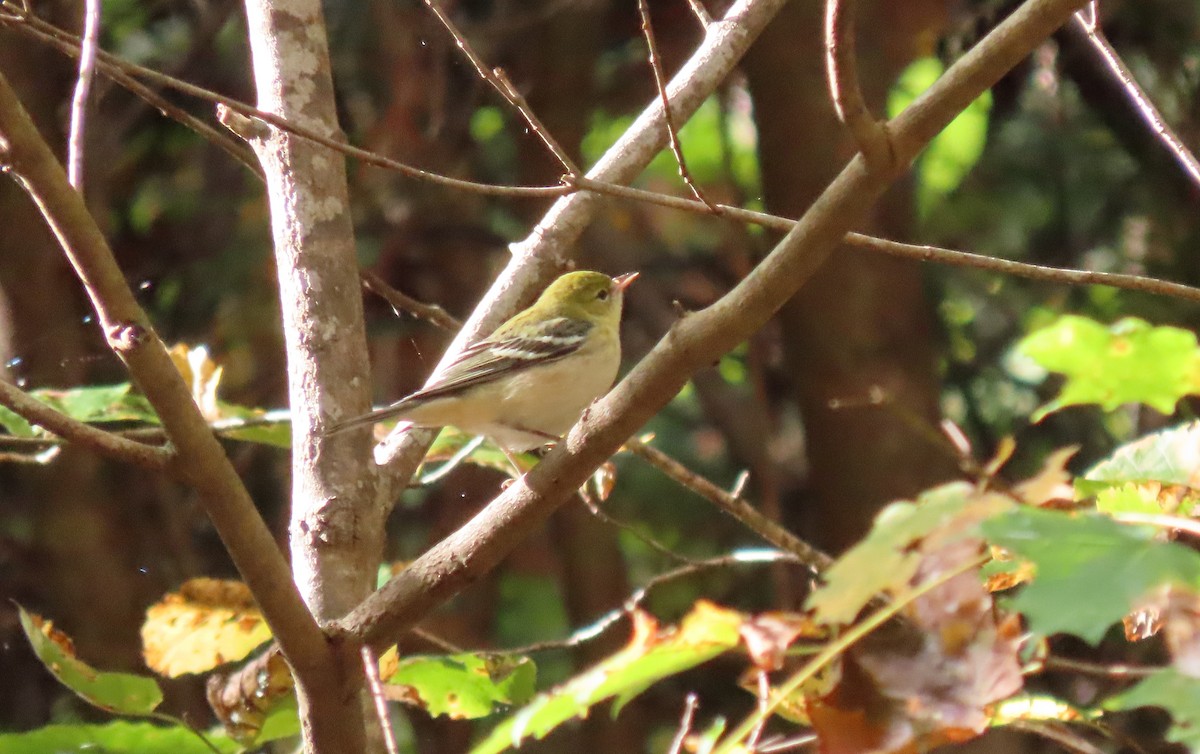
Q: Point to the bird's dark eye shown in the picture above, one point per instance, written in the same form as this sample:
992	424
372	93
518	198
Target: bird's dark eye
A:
602	295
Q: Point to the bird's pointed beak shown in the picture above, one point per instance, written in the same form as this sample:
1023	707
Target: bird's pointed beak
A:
621	282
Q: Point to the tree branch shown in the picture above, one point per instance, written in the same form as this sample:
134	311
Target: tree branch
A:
842	70
83	87
545	251
1087	23
695	341
200	460
106	443
336	524
732	505
924	253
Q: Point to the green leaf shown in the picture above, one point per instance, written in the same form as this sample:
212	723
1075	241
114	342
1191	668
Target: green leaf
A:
1165	458
652	655
122	693
467	686
1174	692
94	404
953	152
117	737
1090	571
1129	362
885	560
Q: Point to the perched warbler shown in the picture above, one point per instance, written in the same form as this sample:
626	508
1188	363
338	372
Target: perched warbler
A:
527	383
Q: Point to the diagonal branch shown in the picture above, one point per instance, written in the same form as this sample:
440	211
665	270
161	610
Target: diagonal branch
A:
672	132
546	251
1087	23
83	88
842	70
106	443
200	459
695	341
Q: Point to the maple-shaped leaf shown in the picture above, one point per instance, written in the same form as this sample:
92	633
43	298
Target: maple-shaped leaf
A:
1127	362
1157	473
1089	571
207	623
122	693
652	654
462	686
931	679
886	560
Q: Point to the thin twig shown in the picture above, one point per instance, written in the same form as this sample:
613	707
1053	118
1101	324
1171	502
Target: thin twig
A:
500	82
923	253
1092	668
842	71
638	534
402	302
661	87
597	627
1089	22
237	149
701	13
199	458
30	24
747	514
1160	520
371	669
1056	733
695	341
685	723
83	87
75	431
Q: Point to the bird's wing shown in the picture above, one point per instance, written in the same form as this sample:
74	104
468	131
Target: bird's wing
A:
506	352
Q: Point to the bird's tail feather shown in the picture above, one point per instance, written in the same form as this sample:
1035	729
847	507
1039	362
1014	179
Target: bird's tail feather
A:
369	418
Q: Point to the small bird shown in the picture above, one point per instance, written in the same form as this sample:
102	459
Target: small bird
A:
525	384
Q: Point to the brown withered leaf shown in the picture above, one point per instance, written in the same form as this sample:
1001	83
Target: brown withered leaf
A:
207	623
915	685
202	375
1175	610
768	635
243	698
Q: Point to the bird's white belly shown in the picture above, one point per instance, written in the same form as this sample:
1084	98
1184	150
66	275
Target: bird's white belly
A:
544	401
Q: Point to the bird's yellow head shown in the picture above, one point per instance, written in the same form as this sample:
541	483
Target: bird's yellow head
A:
593	296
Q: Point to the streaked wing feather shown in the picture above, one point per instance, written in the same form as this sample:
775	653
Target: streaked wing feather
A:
501	355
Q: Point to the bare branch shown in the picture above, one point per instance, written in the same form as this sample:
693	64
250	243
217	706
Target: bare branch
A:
83	87
72	430
44	31
501	83
739	509
1089	24
371	670
672	132
908	251
405	303
695	341
596	628
685	724
701	13
545	252
923	253
842	70
200	459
